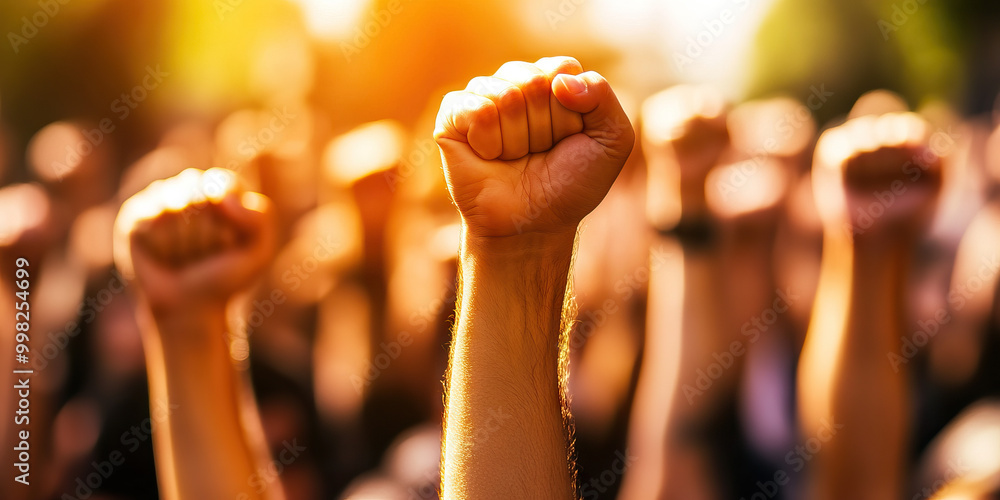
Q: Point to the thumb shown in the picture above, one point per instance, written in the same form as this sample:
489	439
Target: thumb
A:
604	120
251	214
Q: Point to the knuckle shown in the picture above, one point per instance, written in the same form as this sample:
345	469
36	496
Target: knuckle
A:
494	87
483	110
535	85
565	63
450	98
572	61
513	68
478	85
509	97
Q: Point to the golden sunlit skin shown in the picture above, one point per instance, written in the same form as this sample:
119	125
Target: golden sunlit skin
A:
527	153
876	181
190	243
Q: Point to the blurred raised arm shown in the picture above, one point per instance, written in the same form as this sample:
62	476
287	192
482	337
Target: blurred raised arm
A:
190	243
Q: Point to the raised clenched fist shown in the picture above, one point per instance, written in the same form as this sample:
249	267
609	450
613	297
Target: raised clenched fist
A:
877	175
533	148
194	239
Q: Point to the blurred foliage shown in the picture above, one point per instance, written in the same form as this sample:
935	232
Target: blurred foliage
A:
922	49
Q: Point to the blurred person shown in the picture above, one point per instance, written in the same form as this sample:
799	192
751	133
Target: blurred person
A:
355	165
957	355
276	152
960	331
193	136
852	401
800	235
25	233
750	198
6	153
158	164
962	462
410	469
275	332
313	315
355	352
609	274
190	243
35	229
684	136
756	419
76	163
527	153
422	233
285	148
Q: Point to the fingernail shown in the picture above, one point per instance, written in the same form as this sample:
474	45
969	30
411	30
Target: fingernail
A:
573	84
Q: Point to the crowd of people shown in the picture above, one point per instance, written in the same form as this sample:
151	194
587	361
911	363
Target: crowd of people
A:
758	306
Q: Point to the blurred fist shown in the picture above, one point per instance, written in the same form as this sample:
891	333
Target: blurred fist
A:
684	136
194	239
25	228
878	175
533	148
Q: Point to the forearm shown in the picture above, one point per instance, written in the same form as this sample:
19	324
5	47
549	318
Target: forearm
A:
202	445
853	399
505	432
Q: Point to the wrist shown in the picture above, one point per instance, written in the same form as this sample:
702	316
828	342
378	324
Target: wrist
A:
518	249
526	277
168	302
189	328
